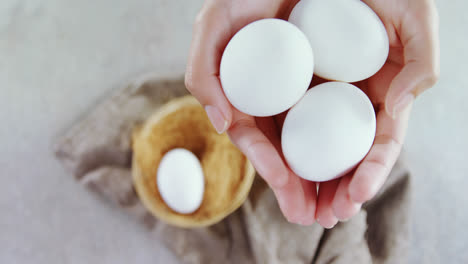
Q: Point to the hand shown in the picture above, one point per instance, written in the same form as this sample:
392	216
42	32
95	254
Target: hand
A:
412	67
257	138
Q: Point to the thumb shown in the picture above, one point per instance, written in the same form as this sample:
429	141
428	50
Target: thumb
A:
419	34
412	80
210	35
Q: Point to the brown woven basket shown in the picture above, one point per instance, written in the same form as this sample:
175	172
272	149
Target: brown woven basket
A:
182	123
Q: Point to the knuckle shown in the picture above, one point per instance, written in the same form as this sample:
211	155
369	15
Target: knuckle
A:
254	144
433	75
193	79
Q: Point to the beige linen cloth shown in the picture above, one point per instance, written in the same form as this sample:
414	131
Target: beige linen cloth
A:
97	152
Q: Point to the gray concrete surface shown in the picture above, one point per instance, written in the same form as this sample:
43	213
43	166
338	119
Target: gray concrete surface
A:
59	57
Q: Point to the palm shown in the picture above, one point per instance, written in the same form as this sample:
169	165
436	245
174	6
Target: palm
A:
377	86
298	196
409	69
342	198
300	200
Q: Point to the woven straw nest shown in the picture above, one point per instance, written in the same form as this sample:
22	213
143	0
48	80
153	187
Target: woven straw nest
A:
182	123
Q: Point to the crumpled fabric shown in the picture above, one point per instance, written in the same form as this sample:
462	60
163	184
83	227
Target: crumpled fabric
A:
97	152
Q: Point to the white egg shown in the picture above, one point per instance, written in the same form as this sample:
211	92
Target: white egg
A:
180	181
349	40
266	67
328	132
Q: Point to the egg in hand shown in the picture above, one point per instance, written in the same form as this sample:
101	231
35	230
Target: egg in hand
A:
349	40
328	132
266	67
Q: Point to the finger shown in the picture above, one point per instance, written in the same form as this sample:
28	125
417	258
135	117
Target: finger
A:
371	174
324	214
343	206
296	201
245	134
266	159
310	196
211	33
377	86
420	38
269	127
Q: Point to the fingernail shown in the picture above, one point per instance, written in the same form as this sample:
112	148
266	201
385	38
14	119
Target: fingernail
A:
402	104
216	119
327	226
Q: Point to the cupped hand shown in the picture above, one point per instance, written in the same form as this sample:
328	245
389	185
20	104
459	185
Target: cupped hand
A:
257	138
412	67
